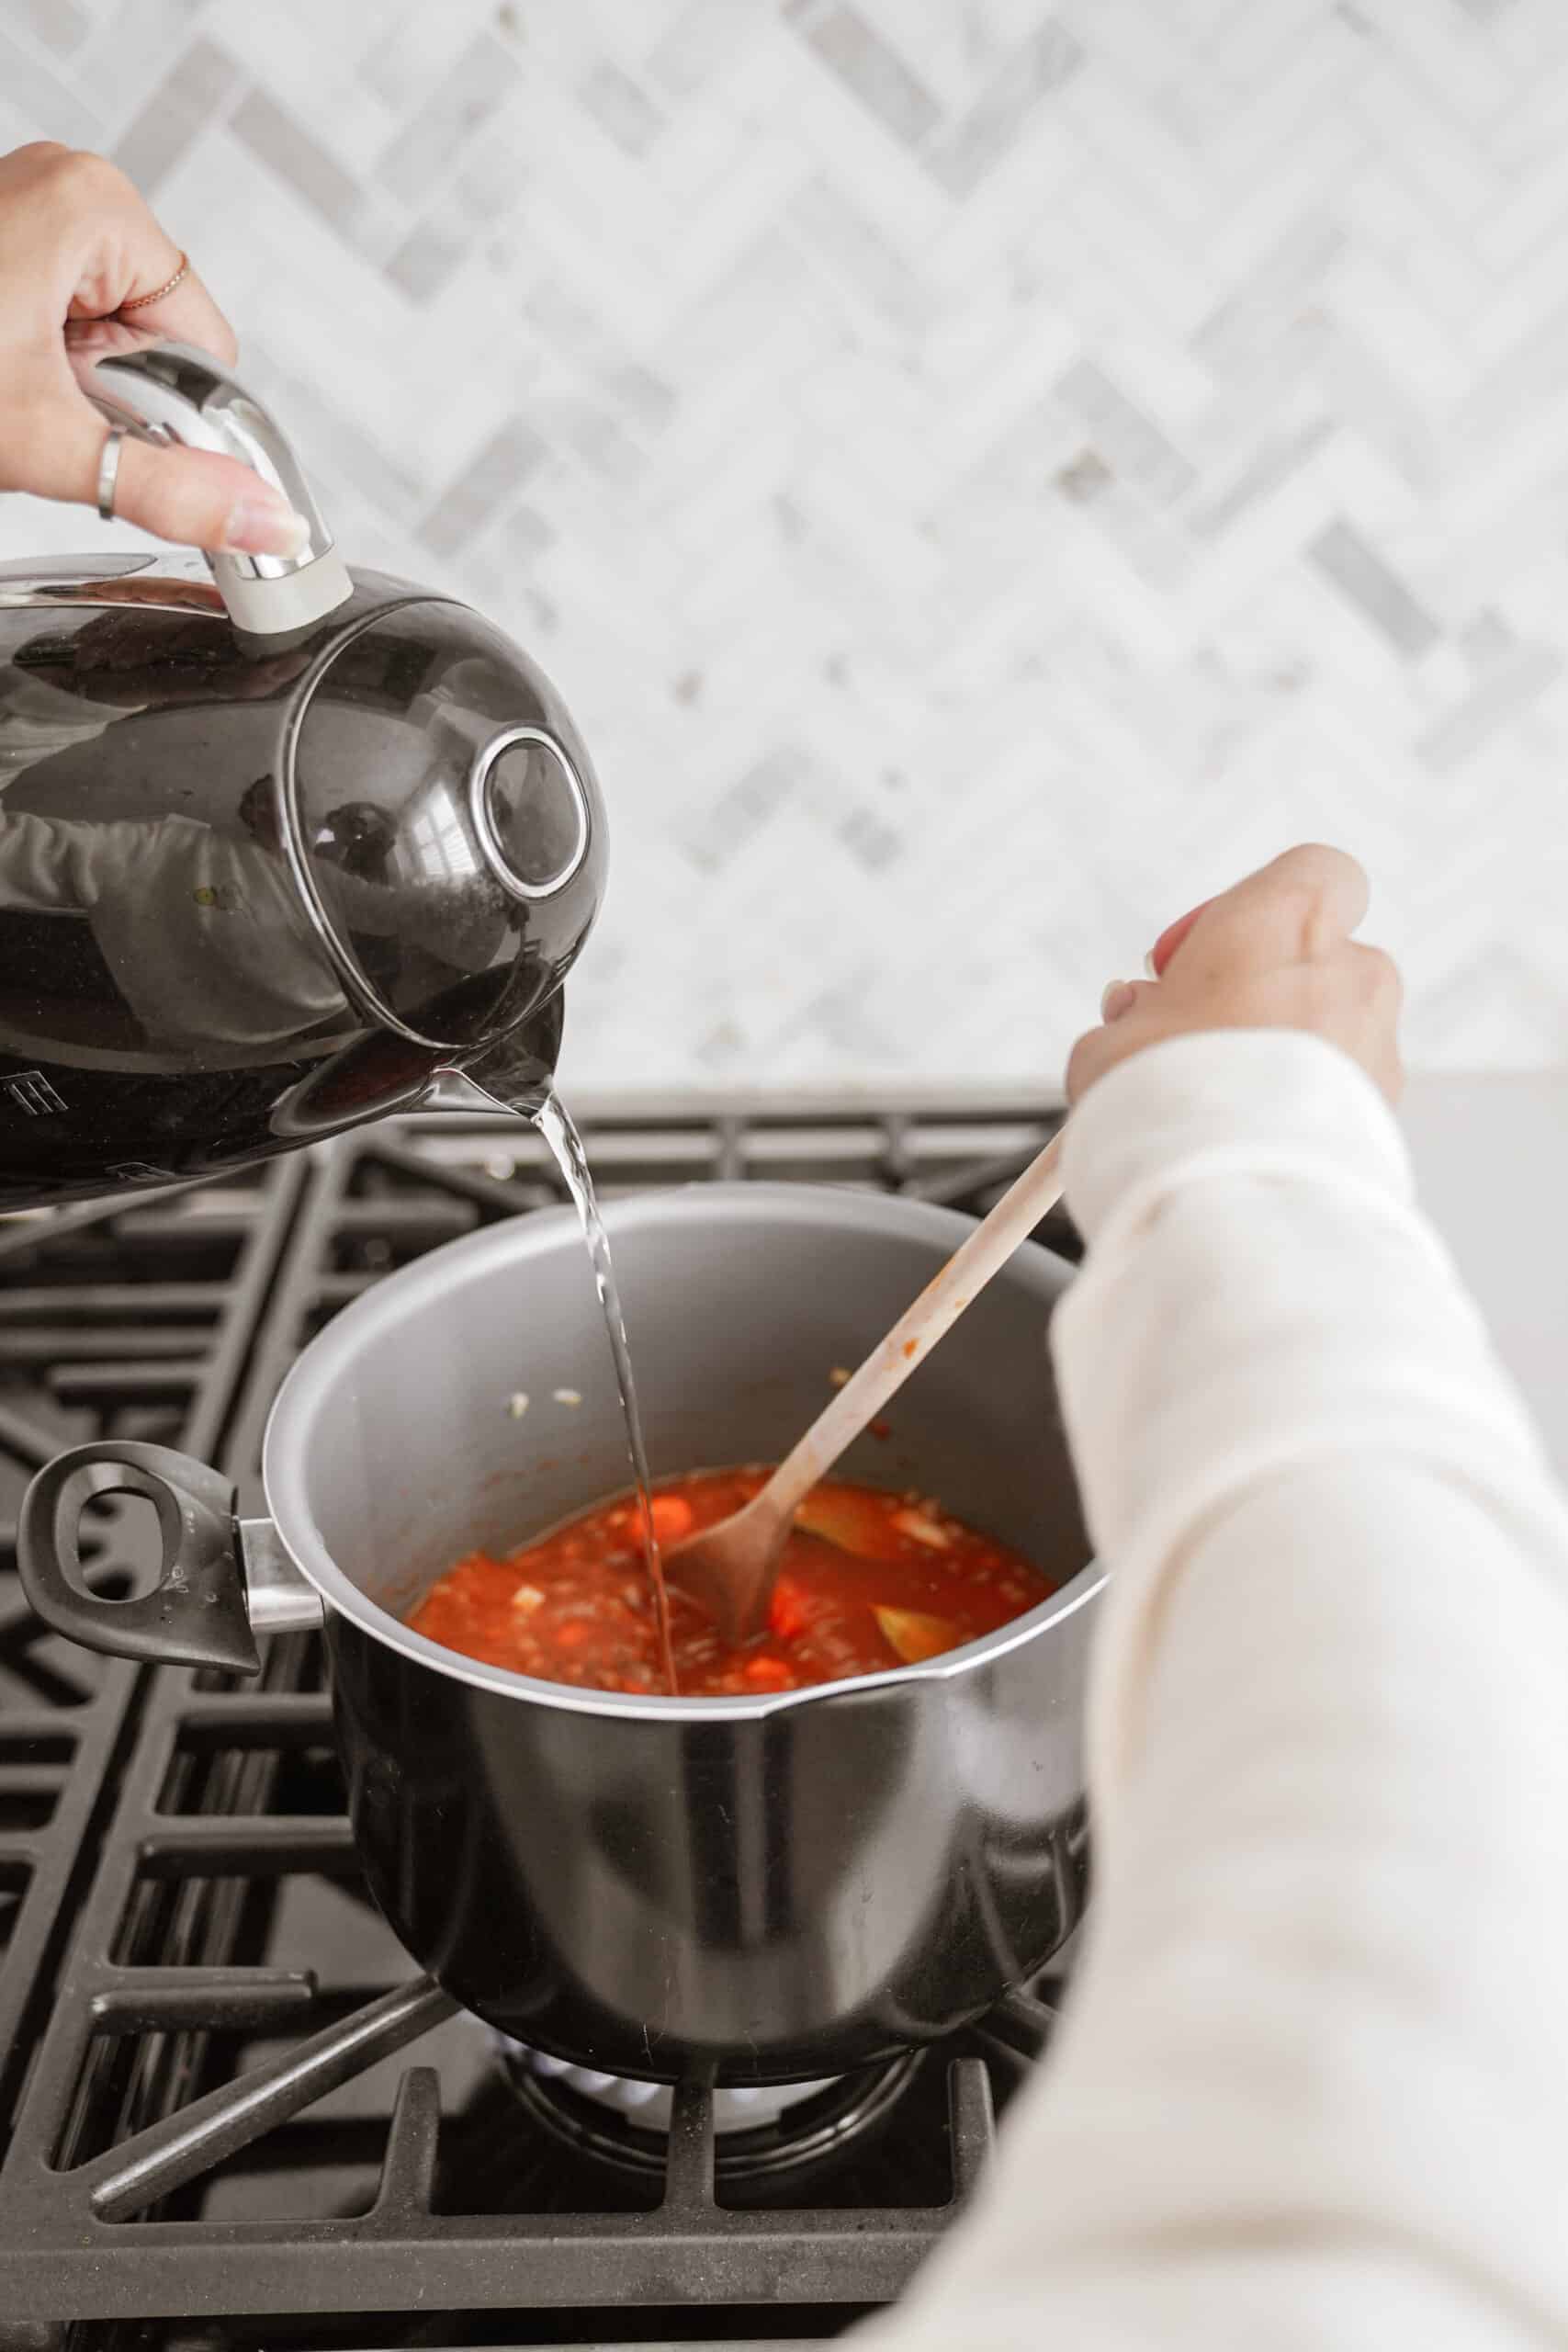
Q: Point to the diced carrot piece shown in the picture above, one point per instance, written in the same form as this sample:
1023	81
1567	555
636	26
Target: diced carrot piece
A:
572	1633
767	1673
915	1635
788	1614
672	1517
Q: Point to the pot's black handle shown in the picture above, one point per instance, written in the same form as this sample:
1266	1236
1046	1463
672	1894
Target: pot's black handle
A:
197	1615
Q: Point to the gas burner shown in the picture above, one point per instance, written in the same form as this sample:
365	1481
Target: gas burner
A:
650	2104
760	2132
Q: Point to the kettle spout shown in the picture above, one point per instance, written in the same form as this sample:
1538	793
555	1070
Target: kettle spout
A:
517	1072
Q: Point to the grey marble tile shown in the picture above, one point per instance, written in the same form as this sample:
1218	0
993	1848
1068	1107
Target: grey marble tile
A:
1133	445
872	71
1266	469
425	260
648	401
54	107
1501	697
1366	583
484	487
742	808
854	249
528	534
617	104
1485	639
841	1018
195	93
991	126
482	79
701	38
281	141
1285	281
328	439
870	837
58	26
130	49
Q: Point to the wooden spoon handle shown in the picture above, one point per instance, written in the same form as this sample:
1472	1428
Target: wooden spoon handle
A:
916	1332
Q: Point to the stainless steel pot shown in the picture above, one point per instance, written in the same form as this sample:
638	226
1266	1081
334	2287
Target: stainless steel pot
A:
757	1890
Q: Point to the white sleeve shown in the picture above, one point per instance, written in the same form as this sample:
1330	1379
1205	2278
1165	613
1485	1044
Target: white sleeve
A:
1312	2086
40	868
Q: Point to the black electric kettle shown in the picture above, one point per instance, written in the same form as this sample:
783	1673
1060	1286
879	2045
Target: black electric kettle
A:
279	842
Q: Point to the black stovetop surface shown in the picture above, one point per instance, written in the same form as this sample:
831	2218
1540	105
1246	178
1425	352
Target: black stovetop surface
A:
226	2118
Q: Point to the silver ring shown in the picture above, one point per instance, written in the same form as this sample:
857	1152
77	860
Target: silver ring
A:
108	471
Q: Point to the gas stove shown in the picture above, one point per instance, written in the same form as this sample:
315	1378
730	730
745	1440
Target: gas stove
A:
231	2112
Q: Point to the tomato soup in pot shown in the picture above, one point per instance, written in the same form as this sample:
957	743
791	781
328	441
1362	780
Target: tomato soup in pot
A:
867	1580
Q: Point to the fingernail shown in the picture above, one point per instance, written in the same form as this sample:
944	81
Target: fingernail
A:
1120	997
262	526
1171	938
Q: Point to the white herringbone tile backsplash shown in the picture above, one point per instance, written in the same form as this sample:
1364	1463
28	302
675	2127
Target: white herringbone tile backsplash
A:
982	472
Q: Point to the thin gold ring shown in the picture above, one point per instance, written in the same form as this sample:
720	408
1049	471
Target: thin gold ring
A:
139	302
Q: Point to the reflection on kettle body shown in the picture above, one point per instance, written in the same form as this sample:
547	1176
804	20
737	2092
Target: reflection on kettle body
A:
202	934
203	929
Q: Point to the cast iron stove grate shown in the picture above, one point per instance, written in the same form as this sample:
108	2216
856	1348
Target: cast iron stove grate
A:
208	2136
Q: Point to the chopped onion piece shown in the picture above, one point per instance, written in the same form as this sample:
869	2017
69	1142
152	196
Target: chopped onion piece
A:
913	1634
923	1530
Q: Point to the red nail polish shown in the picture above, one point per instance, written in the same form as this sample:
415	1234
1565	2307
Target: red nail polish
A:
1169	941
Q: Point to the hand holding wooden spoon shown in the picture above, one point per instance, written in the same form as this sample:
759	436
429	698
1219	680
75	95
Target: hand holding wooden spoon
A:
1274	953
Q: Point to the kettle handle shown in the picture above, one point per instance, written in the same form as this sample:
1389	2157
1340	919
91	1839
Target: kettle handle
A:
200	1612
171	392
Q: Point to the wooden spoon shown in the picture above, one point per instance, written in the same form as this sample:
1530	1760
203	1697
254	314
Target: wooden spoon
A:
729	1568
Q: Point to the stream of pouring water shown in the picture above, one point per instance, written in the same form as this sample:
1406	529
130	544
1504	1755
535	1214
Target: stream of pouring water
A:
556	1124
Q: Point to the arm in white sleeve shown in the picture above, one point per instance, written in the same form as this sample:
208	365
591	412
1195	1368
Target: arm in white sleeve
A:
40	864
1312	2086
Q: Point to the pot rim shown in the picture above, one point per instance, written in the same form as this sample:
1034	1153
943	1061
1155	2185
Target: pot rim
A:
512	1242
